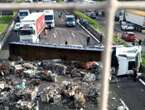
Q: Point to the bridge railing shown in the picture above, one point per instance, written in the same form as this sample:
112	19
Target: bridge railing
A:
110	6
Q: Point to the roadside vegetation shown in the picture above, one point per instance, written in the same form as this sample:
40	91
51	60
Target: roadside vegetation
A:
20	1
118	41
97	26
4	21
59	0
143	59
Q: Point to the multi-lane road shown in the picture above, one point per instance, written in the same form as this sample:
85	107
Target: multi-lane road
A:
73	35
58	35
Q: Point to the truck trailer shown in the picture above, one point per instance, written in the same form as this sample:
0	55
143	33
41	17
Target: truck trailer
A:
128	59
137	18
31	27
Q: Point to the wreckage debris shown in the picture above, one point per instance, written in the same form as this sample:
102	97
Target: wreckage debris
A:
23	84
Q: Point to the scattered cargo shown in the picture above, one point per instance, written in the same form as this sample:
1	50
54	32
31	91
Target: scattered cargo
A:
28	84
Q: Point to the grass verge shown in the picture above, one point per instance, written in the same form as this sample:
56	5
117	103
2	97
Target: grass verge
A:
3	27
97	26
59	0
4	21
143	59
118	41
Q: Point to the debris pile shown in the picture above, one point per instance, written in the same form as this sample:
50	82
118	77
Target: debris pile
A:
24	85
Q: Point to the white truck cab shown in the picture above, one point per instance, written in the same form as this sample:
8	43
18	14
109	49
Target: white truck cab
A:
49	18
31	27
128	58
23	13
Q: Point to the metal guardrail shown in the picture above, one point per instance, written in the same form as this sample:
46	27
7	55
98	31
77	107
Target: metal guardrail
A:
4	35
97	35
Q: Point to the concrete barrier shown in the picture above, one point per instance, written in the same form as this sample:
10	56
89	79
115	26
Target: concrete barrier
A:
6	34
99	36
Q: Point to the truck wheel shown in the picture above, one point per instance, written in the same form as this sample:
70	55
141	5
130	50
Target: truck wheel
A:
139	29
136	28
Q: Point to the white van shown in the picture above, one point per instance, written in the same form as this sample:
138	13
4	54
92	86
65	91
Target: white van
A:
23	13
49	18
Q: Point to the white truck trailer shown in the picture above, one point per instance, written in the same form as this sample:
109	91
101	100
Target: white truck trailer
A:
31	27
137	18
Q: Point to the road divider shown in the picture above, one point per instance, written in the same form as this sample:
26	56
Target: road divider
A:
124	105
6	34
142	82
88	31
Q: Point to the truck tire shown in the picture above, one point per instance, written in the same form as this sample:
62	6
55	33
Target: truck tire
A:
136	28
139	29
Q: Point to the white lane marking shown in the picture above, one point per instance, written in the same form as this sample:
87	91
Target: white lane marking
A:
141	81
54	35
73	34
123	103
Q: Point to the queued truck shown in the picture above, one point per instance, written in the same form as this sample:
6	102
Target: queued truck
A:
136	18
31	27
49	18
22	14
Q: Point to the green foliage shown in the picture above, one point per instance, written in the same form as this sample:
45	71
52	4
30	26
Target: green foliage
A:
59	0
143	59
118	41
20	1
3	27
98	27
5	19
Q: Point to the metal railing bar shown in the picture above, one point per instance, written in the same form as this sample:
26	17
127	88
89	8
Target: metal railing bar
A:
110	9
131	4
56	6
76	5
111	6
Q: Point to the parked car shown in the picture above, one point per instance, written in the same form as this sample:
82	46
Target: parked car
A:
127	26
129	36
17	26
93	15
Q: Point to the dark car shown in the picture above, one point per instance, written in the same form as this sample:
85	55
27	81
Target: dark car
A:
93	16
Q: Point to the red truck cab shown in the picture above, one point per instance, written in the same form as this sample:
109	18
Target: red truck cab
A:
129	36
